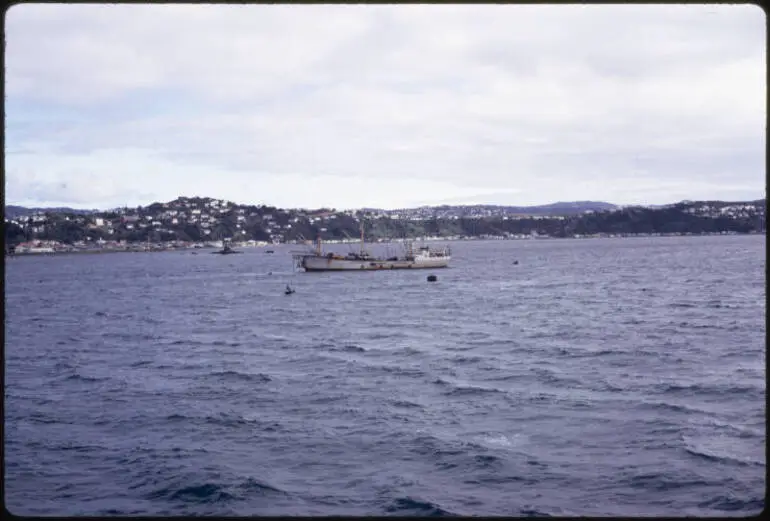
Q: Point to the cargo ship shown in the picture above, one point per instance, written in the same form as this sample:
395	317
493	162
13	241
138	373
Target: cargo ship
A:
422	257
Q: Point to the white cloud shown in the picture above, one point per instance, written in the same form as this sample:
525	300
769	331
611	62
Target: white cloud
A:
385	104
129	177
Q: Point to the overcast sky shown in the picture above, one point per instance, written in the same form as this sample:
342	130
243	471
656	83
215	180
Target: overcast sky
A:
383	106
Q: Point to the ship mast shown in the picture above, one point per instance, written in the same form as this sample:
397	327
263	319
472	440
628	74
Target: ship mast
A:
362	235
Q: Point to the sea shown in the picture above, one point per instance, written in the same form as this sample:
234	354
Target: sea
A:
565	377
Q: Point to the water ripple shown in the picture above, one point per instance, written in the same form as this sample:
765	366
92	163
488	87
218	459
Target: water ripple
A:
595	378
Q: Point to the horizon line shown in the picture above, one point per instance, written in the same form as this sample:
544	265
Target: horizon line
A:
75	206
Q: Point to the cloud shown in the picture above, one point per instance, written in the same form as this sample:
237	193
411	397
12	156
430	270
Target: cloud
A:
519	103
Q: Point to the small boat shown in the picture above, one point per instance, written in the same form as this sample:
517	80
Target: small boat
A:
288	290
269	251
226	249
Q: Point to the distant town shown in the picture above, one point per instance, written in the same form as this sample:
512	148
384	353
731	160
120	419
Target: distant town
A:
200	222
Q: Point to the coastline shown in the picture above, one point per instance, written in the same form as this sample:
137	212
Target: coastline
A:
96	251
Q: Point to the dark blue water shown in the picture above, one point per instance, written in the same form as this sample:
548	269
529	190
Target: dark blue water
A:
622	377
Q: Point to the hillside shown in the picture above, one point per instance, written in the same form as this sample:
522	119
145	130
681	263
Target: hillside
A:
194	219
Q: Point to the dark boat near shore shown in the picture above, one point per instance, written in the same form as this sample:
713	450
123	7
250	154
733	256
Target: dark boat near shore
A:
226	249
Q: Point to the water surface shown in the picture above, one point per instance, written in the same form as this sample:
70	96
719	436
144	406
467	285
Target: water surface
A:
594	377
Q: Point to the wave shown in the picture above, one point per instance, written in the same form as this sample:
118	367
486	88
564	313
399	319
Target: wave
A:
401	371
499	440
189	343
409	351
207	493
553	378
585	353
116	512
407	404
717	457
662	482
605	386
470	456
467	359
715	325
674	407
701	389
350	348
236	375
486	461
505	378
717	304
472	390
462	348
253	485
40	418
417	507
221	419
78	448
82	378
382	336
737	430
429	445
221	343
531	512
731	503
499	479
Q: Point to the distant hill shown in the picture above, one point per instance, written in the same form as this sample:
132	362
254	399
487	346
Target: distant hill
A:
201	219
558	208
13	212
567	208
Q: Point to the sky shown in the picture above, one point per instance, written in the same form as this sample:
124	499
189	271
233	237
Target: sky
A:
385	106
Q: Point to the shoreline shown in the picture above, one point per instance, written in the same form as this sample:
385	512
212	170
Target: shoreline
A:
536	238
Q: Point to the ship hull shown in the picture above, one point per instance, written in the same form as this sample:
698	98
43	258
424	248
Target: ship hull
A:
327	264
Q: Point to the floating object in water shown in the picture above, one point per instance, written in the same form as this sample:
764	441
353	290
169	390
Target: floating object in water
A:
424	257
269	272
288	290
515	262
226	249
432	278
269	251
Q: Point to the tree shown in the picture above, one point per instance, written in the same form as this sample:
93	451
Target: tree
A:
14	234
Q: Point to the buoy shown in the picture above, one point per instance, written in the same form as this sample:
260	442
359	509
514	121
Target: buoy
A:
432	278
